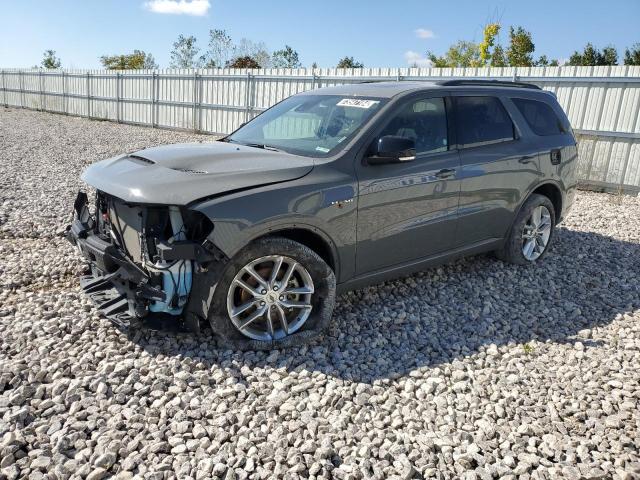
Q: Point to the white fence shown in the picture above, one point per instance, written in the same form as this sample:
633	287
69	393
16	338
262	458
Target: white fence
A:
603	103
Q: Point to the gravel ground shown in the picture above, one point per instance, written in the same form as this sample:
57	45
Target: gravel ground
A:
477	369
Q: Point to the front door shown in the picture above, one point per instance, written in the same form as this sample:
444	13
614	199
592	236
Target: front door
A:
407	211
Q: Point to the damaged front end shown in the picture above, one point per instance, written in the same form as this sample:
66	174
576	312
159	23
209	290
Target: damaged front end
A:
146	261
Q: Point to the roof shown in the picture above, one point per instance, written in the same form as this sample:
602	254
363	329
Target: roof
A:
374	89
390	89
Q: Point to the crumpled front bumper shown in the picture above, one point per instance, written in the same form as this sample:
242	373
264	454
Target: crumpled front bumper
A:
117	286
122	291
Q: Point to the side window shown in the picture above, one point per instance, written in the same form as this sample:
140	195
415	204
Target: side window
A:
482	121
540	117
423	121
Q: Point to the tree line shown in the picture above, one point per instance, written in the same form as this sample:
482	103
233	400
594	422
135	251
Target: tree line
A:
519	52
222	52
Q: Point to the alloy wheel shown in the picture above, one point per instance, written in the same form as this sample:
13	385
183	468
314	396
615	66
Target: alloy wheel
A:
270	298
536	233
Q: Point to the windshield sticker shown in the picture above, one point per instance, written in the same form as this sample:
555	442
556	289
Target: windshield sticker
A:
357	103
322	149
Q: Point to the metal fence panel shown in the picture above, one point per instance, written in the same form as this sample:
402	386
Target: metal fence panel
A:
603	103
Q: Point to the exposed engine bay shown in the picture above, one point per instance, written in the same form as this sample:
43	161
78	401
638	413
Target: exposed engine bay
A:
143	259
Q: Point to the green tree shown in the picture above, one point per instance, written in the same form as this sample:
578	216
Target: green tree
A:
575	59
543	61
185	53
498	57
50	61
609	56
220	49
591	56
132	61
286	58
243	62
521	48
632	55
461	54
349	62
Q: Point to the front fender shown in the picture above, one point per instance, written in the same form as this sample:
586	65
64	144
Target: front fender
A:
324	205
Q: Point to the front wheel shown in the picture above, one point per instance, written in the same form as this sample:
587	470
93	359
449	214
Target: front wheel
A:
274	293
531	233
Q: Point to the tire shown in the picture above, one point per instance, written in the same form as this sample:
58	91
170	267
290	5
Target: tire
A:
311	269
513	250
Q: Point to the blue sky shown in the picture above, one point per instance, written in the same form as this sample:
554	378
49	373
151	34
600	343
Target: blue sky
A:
378	33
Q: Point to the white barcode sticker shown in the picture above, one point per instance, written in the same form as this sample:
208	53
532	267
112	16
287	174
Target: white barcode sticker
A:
357	103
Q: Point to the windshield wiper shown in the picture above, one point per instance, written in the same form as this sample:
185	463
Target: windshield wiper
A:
262	146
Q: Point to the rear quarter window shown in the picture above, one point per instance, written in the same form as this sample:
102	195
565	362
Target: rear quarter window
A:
539	116
482	121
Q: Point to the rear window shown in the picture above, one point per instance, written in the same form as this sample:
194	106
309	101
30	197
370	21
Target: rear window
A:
482	121
540	117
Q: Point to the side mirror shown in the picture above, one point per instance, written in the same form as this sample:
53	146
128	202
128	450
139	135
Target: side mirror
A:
393	149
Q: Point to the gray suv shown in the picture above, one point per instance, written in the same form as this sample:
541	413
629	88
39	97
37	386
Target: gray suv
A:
329	190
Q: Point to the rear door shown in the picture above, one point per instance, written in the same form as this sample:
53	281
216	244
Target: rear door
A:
558	156
408	210
497	166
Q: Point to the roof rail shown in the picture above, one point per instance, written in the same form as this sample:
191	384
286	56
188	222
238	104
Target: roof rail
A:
488	83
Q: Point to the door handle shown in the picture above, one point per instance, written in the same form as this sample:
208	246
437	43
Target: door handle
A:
526	159
446	173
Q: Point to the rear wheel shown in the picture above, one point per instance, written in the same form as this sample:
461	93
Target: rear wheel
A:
276	292
531	233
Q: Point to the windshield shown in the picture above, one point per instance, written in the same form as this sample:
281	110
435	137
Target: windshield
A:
310	125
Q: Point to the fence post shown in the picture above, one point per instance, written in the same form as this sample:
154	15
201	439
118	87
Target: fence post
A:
118	97
153	99
248	97
21	80
4	91
156	99
88	96
153	96
65	98
195	101
200	88
41	90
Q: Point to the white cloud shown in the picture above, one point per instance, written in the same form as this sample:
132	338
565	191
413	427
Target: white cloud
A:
414	58
424	33
179	7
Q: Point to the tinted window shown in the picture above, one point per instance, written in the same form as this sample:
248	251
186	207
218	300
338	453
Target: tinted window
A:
423	121
540	117
482	121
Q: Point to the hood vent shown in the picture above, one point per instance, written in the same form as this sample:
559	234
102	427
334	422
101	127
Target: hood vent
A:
142	159
190	170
